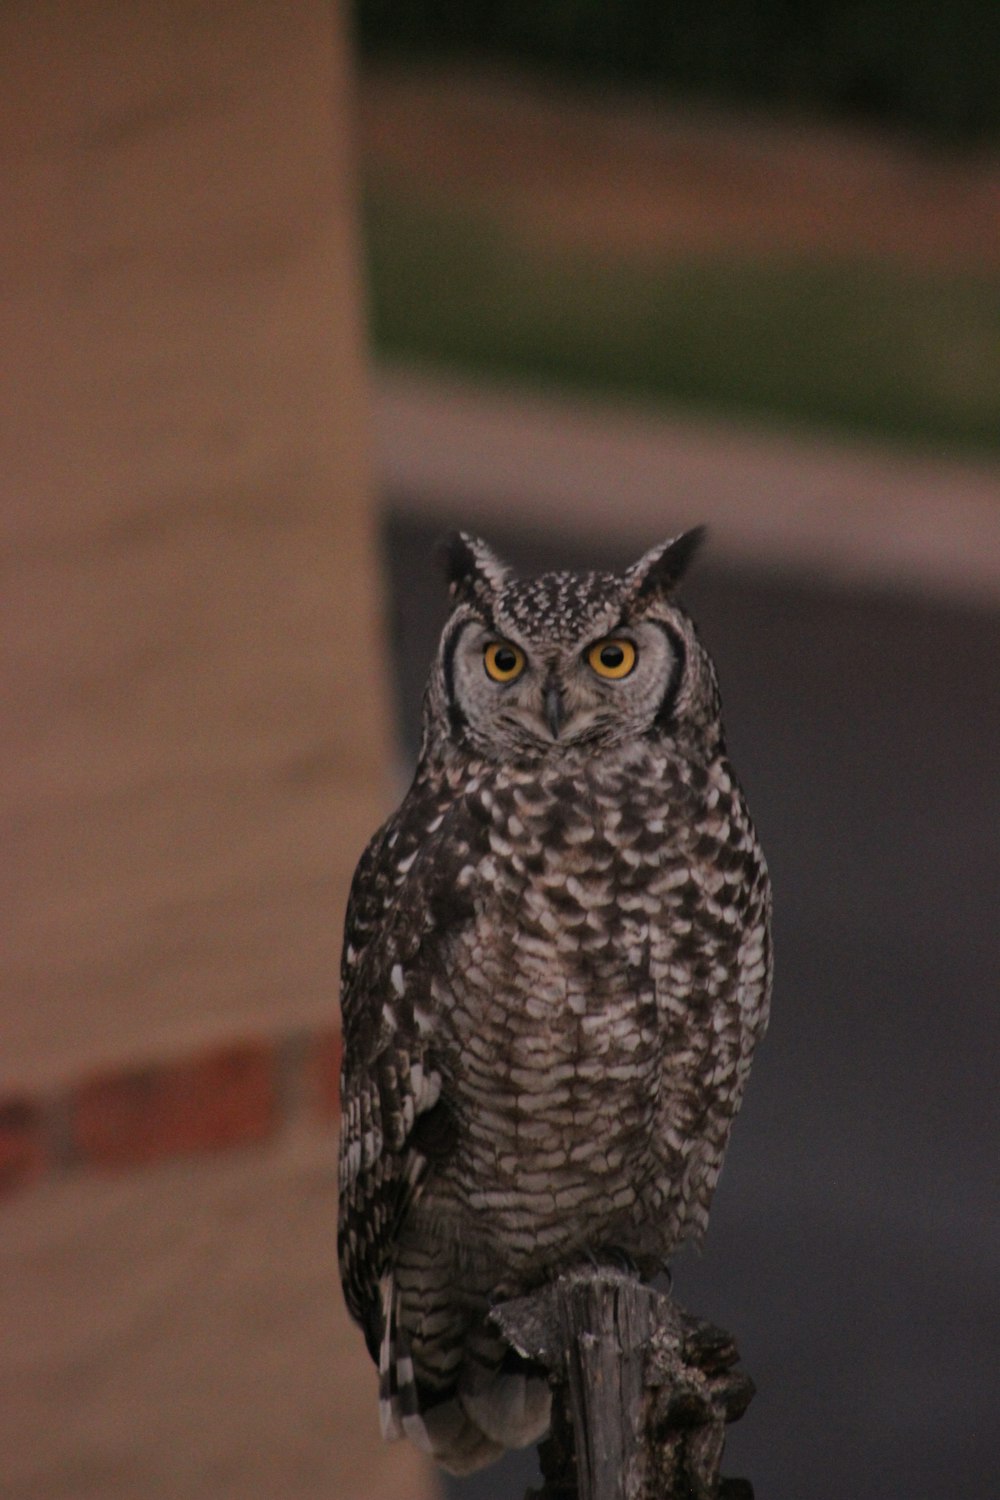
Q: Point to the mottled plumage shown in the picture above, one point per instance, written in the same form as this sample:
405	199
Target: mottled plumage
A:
556	966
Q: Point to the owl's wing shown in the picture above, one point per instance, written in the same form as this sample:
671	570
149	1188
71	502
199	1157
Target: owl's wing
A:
407	897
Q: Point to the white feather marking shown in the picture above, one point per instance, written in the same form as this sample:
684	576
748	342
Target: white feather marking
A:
388	1403
416	1431
425	1023
426	1087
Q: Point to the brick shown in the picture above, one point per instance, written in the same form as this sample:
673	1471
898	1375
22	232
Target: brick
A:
323	1073
207	1102
23	1155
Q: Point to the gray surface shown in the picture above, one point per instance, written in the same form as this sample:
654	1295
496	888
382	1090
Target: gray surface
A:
773	494
853	1245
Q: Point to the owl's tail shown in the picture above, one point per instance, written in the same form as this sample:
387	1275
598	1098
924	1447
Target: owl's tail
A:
467	1397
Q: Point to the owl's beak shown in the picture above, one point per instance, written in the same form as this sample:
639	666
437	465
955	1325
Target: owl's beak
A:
553	708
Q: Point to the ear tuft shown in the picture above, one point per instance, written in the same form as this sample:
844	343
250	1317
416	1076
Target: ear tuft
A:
470	566
661	569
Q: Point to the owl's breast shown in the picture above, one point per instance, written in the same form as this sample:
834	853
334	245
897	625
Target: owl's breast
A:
601	1005
554	1084
551	994
581	868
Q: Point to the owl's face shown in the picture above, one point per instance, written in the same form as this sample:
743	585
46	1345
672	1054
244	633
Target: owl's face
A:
533	667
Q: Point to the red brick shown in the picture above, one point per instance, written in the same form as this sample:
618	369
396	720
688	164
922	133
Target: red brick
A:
23	1157
323	1073
224	1097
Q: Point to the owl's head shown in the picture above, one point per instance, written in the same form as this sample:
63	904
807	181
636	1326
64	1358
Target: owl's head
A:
534	667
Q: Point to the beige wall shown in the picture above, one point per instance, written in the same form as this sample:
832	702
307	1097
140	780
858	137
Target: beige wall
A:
194	733
176	1334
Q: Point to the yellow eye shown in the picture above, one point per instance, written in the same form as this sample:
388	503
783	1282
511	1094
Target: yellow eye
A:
503	662
612	657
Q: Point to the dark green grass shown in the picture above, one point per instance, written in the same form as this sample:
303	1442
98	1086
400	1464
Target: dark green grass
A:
845	345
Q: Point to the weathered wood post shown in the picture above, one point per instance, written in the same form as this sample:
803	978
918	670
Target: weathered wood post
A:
641	1392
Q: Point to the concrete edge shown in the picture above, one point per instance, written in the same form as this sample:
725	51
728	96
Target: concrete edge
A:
468	453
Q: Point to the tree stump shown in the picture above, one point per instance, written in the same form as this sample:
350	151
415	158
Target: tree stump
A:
641	1392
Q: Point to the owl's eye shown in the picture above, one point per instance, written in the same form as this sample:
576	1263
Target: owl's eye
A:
503	662
612	657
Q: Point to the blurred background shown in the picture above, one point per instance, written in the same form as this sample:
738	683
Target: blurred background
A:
289	290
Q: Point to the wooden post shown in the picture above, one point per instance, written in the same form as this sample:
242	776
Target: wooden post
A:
641	1392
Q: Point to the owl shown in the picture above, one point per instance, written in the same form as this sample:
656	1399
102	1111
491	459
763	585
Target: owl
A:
556	966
